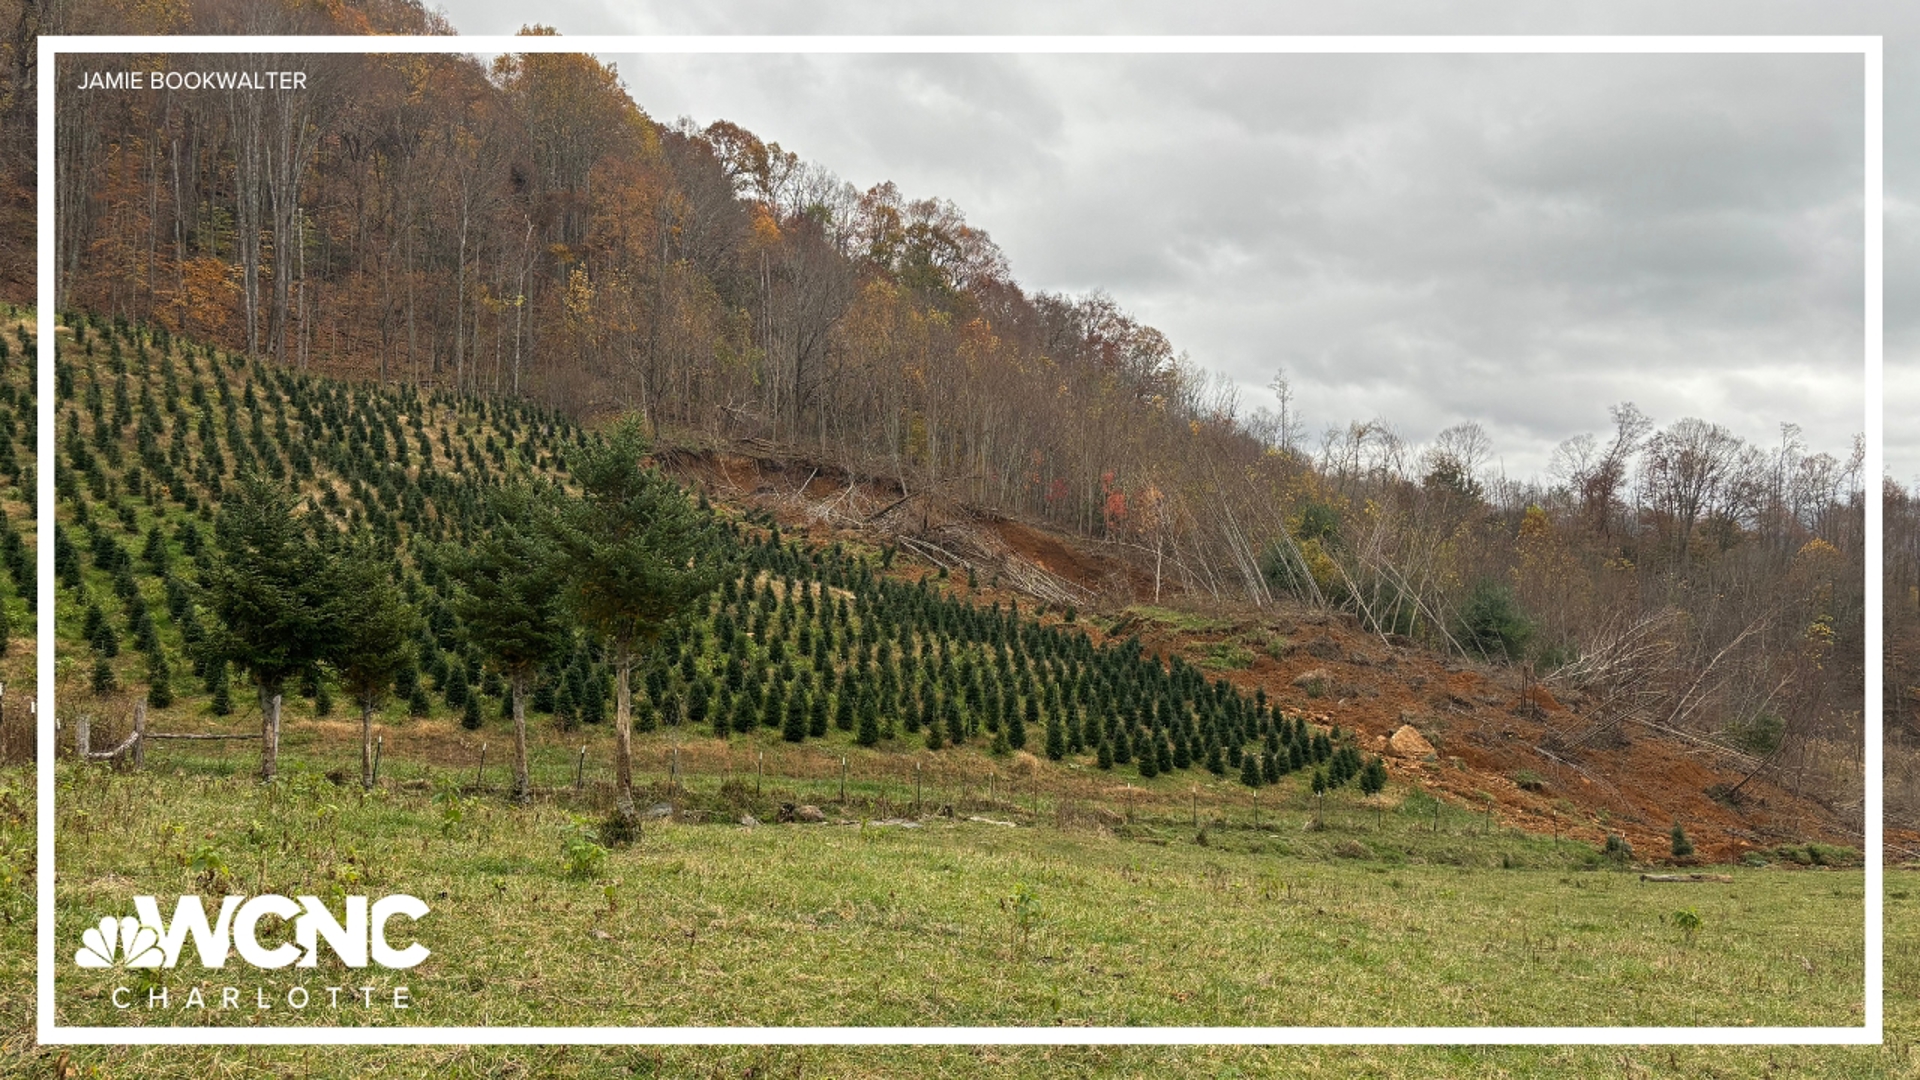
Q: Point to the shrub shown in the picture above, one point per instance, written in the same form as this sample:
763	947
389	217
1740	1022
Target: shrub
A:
1492	624
1528	780
1617	848
581	850
1682	847
1759	735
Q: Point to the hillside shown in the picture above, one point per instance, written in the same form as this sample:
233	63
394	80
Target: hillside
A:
866	623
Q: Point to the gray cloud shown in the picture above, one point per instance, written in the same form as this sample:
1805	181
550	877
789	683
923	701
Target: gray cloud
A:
1518	240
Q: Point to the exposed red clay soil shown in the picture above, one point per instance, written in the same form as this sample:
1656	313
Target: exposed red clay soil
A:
1488	736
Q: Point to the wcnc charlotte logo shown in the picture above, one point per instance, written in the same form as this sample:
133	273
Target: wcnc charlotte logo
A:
360	937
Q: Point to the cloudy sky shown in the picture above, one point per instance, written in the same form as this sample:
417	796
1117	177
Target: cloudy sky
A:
1521	240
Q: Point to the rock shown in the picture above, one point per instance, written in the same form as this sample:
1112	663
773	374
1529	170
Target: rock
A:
808	813
660	810
600	934
749	820
1409	743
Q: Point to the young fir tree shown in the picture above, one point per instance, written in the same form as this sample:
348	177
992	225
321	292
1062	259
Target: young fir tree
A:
1250	770
795	727
159	680
635	552
1216	761
1373	778
869	733
374	631
817	714
1682	847
1149	761
509	603
1056	737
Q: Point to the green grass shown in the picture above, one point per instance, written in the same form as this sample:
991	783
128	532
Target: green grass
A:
658	878
868	925
1191	622
1228	656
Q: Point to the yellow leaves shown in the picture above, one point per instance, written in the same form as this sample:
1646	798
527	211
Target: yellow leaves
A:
1535	524
579	298
1816	549
766	231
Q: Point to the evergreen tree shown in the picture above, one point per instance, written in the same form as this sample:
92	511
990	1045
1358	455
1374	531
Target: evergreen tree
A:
869	725
458	691
509	606
374	630
269	593
1682	847
1105	753
470	715
795	728
1056	738
956	727
635	552
817	715
1373	778
1250	770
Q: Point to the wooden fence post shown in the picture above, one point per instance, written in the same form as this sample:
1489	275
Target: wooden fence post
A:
482	770
379	744
81	745
139	748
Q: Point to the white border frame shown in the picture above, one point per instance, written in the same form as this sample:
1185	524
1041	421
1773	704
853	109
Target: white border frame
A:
1869	1033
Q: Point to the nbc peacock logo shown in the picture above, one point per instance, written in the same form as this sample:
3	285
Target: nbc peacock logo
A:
119	940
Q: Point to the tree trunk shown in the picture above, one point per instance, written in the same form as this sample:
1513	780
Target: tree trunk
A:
522	790
366	744
269	733
623	731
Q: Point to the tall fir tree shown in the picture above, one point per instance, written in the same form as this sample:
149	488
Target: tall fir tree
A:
509	603
636	552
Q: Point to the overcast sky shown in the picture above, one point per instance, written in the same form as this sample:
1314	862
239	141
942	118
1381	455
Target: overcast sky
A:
1521	241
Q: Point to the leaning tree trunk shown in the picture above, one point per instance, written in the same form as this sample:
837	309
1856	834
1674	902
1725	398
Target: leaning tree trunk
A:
522	790
366	744
269	733
623	732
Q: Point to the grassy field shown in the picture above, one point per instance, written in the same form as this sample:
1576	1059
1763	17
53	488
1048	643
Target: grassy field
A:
953	922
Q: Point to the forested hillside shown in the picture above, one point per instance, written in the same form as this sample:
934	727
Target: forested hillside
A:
527	232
